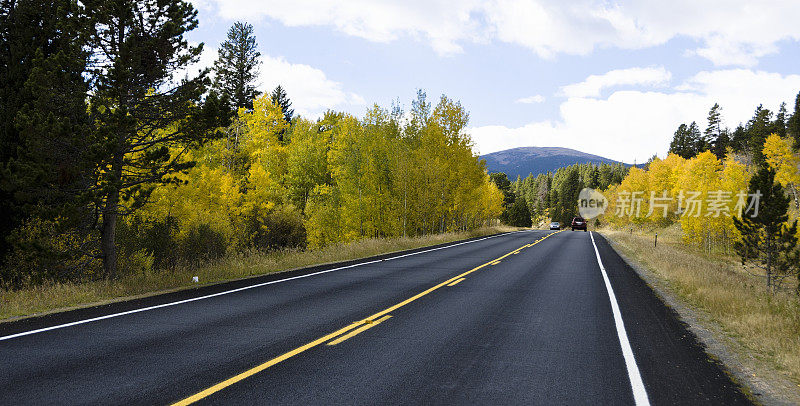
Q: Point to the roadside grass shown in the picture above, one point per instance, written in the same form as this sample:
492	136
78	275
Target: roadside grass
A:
56	297
764	326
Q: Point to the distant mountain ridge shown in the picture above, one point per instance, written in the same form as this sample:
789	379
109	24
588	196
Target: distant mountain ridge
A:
524	160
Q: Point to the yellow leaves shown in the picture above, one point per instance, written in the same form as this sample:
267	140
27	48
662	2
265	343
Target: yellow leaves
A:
262	127
351	179
779	156
701	193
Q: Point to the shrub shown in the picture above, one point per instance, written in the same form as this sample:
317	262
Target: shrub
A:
203	243
280	228
47	250
156	238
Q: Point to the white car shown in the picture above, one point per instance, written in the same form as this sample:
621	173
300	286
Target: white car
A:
555	226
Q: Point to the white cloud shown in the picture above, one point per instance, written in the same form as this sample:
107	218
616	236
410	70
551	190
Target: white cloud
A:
634	125
442	23
309	89
537	98
594	84
730	32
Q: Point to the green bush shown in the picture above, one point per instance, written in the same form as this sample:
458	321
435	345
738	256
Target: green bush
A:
47	250
278	229
156	238
203	243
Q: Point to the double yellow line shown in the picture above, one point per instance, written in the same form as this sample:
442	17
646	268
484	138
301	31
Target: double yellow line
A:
353	329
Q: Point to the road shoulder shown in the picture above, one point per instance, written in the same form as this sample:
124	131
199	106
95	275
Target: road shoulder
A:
747	371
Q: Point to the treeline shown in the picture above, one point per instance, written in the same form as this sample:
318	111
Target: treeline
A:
730	191
116	158
553	195
746	140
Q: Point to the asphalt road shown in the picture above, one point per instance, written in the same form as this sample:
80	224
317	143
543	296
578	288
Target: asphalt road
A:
537	327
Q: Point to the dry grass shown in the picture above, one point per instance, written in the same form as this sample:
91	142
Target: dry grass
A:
764	326
58	297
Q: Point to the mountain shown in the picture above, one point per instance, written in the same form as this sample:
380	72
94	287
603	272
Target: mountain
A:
524	160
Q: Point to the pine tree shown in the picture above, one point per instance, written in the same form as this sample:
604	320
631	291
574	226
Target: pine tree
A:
715	136
757	130
696	142
793	124
685	141
594	178
500	180
236	68
738	139
145	119
766	240
780	121
43	161
280	98
518	214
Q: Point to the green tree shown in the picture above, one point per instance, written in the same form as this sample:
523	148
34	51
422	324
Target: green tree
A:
236	68
517	214
145	118
715	136
793	124
281	99
500	180
698	143
757	130
684	142
594	178
766	240
569	186
780	121
45	160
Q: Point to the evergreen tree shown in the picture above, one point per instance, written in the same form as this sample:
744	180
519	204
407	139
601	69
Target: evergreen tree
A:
696	141
236	68
766	240
738	139
780	121
517	215
568	190
685	141
280	98
43	159
594	178
793	124
500	180
757	130
145	119
715	136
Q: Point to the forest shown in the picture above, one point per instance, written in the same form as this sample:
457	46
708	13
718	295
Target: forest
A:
116	160
705	185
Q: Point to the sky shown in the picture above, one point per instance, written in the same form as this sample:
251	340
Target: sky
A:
609	78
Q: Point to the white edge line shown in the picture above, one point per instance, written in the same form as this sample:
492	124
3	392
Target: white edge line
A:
258	285
639	393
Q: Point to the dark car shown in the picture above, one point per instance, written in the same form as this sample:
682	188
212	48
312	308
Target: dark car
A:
578	223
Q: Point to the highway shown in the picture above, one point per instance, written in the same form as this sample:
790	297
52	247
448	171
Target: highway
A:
531	317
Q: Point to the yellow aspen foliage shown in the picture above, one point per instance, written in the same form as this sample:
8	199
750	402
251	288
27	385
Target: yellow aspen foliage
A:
779	156
701	193
339	178
260	142
637	185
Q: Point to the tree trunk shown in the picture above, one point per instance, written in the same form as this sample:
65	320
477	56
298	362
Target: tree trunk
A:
108	244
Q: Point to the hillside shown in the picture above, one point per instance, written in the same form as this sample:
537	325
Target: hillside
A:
524	160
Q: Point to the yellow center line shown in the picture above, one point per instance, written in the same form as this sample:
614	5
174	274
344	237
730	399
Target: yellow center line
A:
359	330
495	263
455	282
362	325
250	372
